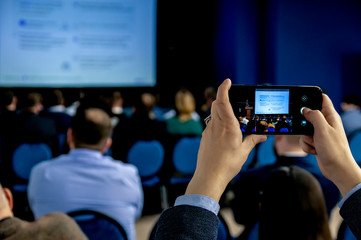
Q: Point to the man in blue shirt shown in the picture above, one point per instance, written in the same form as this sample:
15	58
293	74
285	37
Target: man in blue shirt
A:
85	179
351	115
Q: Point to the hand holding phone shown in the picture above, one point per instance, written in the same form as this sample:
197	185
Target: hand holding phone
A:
274	110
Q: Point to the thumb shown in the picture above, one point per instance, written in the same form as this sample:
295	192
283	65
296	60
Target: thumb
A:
251	141
315	117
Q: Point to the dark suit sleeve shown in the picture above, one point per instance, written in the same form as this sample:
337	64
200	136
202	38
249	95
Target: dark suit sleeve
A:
351	213
185	222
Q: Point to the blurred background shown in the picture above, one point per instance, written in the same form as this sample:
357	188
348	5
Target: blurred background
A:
192	45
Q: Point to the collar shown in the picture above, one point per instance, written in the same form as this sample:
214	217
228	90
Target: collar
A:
85	153
57	108
4	219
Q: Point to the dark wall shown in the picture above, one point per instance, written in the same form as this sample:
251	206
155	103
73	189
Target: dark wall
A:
313	41
185	45
291	43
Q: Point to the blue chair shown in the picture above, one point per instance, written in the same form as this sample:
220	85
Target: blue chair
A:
284	130
253	234
62	141
355	143
25	157
97	226
271	129
148	157
344	232
185	154
223	230
265	152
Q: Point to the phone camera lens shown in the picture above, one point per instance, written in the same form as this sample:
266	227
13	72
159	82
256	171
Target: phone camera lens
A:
304	98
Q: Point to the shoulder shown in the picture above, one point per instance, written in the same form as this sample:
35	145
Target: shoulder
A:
123	167
187	222
58	224
48	164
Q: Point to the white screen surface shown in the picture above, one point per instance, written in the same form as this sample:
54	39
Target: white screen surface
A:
272	101
82	43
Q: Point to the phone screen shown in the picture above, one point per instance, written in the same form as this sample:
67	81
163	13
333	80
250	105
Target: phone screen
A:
274	109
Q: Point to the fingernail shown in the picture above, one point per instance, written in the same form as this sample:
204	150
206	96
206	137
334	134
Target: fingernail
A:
305	110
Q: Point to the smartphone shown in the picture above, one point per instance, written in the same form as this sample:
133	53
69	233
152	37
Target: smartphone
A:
274	110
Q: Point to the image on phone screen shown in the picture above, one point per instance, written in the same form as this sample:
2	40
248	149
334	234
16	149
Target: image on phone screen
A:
274	109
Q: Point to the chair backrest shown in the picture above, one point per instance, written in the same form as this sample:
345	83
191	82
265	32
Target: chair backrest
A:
344	232
185	154
62	141
284	130
271	129
355	143
265	152
147	156
223	230
253	233
27	155
98	226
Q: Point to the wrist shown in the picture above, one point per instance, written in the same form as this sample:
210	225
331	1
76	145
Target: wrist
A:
209	186
349	178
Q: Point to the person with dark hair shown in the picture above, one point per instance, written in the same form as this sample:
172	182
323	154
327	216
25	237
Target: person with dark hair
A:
8	101
142	125
351	116
84	178
293	207
249	185
56	111
222	153
26	127
54	226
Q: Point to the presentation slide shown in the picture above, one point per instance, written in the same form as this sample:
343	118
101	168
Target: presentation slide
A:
77	43
272	101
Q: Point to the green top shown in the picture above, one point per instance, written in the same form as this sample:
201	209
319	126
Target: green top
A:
191	126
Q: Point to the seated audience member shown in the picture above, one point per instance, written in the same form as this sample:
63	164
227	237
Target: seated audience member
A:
8	114
51	226
74	99
84	178
209	95
293	207
222	154
250	183
116	105
56	110
8	117
28	127
182	123
142	125
8	101
34	128
351	116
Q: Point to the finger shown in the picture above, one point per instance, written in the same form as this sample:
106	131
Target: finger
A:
308	140
251	141
221	107
222	92
329	111
316	118
308	148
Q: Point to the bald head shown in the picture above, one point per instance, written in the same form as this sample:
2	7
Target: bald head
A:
91	128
